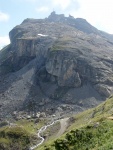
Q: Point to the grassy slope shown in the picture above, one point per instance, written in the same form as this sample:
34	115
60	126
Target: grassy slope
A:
14	138
92	130
19	137
64	43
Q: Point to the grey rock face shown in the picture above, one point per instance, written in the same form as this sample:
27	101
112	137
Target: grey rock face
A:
63	65
55	60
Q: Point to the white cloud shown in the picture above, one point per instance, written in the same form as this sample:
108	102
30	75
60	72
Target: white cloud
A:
26	0
32	1
62	3
42	9
4	40
3	16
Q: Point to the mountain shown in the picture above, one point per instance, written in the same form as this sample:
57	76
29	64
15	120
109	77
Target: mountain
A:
55	65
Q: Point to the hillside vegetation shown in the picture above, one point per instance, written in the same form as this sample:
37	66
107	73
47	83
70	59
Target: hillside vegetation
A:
89	130
19	136
92	130
14	138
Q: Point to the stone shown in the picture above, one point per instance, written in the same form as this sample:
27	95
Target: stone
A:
103	90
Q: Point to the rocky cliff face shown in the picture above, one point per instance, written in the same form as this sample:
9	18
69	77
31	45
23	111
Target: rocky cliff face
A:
55	61
62	64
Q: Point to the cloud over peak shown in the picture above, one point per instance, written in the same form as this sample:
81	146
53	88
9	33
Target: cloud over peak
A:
42	9
3	17
62	3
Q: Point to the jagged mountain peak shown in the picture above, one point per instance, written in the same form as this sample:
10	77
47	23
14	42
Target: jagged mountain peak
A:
77	23
52	61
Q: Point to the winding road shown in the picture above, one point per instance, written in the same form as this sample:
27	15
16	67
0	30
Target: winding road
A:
39	136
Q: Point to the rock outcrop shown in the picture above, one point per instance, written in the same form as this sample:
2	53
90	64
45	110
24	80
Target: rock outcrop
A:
55	60
63	65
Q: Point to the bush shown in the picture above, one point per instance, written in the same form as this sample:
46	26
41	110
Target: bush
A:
4	123
88	138
15	138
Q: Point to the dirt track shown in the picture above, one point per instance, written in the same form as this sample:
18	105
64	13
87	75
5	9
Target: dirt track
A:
64	124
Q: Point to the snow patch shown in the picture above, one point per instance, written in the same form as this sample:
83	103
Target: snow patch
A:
42	35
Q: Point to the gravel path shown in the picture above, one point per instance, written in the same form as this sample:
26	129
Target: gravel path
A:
64	124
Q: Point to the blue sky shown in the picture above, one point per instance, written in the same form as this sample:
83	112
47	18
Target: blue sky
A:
12	12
